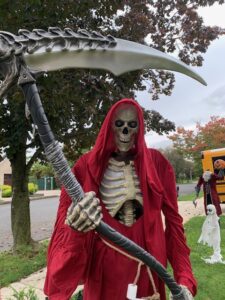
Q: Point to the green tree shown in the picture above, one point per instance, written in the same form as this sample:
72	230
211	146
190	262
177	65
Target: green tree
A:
77	101
39	170
191	143
183	168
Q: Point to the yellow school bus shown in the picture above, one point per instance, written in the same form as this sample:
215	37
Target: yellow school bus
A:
208	159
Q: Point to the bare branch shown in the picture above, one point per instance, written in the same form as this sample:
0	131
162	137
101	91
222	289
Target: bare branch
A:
33	158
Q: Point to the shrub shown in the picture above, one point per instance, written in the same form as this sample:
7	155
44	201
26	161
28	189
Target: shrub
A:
32	187
7	192
5	187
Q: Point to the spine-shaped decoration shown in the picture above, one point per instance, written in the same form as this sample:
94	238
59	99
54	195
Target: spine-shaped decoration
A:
128	213
55	39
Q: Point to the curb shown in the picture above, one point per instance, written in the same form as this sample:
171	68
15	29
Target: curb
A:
3	202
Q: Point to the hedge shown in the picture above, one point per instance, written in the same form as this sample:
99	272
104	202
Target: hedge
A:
7	189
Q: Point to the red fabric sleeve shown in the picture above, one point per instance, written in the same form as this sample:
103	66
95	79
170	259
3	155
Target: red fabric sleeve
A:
200	182
67	260
176	247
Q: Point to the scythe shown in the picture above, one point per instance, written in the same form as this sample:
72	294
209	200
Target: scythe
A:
58	49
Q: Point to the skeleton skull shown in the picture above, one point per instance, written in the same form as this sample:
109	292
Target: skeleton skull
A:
207	175
211	210
125	127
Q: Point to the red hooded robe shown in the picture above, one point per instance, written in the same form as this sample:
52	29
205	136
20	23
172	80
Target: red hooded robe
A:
82	258
210	192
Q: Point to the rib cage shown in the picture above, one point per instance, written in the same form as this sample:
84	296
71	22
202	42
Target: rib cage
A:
120	184
29	42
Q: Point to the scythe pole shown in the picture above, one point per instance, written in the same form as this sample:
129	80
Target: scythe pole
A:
13	66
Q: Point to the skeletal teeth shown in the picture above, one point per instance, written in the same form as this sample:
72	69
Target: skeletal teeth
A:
124	140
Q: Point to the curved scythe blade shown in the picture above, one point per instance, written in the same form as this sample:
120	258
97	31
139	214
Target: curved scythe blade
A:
60	49
124	57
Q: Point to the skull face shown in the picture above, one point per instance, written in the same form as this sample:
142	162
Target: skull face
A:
125	127
211	210
207	175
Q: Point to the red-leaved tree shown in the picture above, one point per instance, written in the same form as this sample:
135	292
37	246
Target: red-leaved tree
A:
203	137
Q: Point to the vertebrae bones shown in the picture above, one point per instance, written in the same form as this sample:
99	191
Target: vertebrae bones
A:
55	38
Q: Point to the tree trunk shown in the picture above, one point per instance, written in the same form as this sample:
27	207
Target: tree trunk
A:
20	208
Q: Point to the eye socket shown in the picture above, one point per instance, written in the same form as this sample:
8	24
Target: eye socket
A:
132	124
119	123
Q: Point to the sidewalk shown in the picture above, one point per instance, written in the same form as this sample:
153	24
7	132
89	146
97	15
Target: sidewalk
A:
36	280
41	194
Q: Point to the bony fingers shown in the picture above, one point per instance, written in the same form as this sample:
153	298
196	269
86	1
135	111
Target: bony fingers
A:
86	214
92	227
85	226
68	221
95	205
75	214
70	217
96	201
96	217
83	217
90	223
88	198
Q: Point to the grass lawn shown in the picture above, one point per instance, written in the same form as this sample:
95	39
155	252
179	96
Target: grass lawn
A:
210	277
189	197
15	267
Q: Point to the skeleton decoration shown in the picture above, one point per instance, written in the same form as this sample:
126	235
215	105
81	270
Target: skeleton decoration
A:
207	175
125	127
210	235
119	189
83	216
22	55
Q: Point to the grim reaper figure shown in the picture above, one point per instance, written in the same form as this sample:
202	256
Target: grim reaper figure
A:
128	186
208	181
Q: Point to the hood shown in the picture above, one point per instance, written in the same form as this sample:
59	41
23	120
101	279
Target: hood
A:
105	146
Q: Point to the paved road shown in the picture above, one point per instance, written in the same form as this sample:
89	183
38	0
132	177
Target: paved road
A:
187	188
43	214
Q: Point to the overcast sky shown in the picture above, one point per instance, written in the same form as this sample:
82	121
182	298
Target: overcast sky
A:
190	101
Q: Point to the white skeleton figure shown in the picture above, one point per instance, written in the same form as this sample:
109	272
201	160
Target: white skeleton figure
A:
210	235
125	127
119	189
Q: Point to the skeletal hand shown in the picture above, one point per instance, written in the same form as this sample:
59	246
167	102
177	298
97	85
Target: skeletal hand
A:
86	214
195	203
185	296
197	191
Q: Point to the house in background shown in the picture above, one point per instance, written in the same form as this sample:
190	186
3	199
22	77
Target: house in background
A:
5	172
